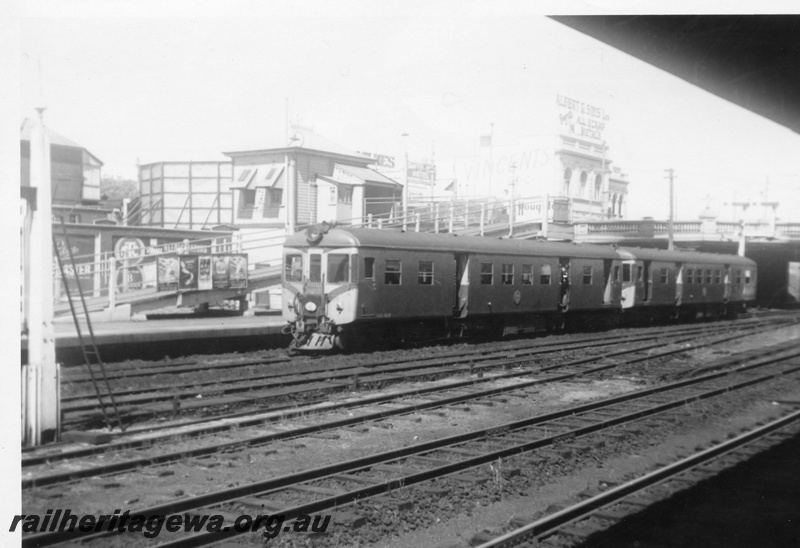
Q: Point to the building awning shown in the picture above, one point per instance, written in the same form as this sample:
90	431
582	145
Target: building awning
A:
259	175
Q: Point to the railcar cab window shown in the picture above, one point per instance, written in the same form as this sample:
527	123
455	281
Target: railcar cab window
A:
527	274
544	274
507	276
425	276
487	273
338	268
392	272
664	277
293	268
747	277
587	275
369	268
315	268
626	273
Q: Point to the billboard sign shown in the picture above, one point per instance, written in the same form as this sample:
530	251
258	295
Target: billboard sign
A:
202	272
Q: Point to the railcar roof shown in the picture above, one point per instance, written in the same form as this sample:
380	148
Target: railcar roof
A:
682	256
394	239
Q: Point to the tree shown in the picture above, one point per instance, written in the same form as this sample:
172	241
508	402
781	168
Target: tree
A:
113	187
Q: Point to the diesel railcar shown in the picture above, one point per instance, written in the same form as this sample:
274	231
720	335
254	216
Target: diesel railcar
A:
346	285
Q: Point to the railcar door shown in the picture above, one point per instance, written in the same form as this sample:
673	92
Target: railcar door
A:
648	282
726	296
563	302
679	285
461	294
628	284
608	294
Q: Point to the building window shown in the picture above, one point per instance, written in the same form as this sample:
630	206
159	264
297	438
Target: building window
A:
544	274
507	276
293	268
275	196
717	276
74	218
626	273
690	276
587	275
332	198
245	174
338	268
567	179
598	186
527	274
708	275
487	272
369	268
664	278
425	276
248	197
346	194
584	178
392	272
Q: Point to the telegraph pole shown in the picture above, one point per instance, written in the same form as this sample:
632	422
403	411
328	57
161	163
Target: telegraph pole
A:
670	230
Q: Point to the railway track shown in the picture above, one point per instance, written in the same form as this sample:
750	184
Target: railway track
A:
366	409
147	403
457	459
573	525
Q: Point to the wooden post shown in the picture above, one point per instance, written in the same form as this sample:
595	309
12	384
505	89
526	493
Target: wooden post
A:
452	215
436	218
483	217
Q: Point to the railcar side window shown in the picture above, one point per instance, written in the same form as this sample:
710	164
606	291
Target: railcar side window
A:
587	275
747	277
293	268
690	275
527	274
392	272
507	276
369	268
338	268
717	277
708	275
626	273
487	271
664	277
425	276
544	275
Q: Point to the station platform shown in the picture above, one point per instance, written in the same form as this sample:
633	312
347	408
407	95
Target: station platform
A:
154	339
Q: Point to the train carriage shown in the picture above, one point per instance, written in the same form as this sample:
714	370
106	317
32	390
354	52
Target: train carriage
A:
345	285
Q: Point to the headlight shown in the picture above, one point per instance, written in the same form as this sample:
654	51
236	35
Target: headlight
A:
310	307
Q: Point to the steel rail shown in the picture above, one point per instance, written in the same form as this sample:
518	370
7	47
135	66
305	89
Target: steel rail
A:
324	381
341	423
273	484
551	524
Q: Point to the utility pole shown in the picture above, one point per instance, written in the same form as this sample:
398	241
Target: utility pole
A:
670	228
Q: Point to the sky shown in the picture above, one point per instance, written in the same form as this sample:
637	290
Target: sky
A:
177	87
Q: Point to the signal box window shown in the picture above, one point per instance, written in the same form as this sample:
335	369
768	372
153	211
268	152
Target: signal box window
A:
391	274
747	277
587	275
425	276
527	274
664	277
369	268
507	274
487	273
690	276
544	274
626	273
293	268
338	268
717	277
